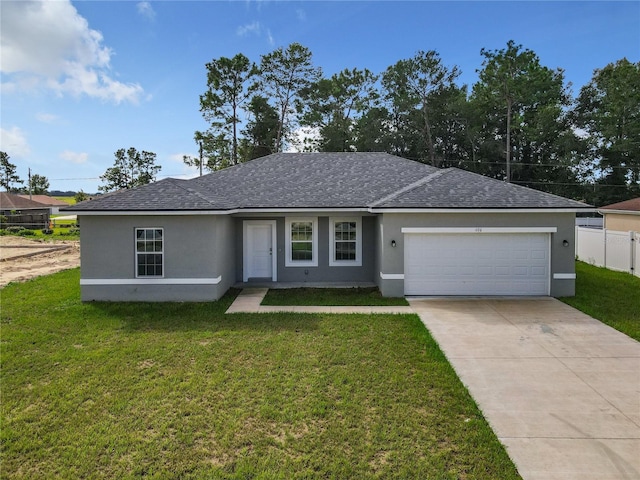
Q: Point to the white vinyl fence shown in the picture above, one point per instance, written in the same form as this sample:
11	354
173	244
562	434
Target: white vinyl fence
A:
609	248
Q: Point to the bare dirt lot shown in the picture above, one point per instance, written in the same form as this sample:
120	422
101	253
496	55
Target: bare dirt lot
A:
22	259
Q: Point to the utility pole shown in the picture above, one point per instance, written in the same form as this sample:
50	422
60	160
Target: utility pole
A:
200	143
30	183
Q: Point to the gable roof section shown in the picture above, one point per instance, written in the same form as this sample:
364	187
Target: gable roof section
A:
9	201
326	181
46	200
312	180
631	206
458	189
167	194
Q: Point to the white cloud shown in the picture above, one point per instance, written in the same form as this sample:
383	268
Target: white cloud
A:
244	30
74	157
46	117
48	45
146	10
301	14
255	28
178	157
14	142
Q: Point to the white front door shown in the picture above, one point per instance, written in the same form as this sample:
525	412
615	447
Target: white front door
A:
259	252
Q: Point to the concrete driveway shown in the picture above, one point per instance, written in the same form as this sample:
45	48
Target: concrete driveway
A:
560	389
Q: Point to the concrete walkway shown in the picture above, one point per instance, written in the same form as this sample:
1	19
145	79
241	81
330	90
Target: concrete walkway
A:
248	301
560	389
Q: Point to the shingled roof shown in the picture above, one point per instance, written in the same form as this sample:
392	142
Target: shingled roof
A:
9	201
632	205
327	180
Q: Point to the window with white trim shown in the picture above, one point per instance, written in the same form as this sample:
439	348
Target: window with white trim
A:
149	252
301	242
345	241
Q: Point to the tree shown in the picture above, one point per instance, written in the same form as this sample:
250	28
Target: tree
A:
81	196
283	74
229	87
608	111
522	106
39	184
8	174
372	131
412	87
333	106
261	130
131	169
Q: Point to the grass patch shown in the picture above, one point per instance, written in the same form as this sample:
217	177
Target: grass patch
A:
67	232
69	200
330	297
180	390
611	297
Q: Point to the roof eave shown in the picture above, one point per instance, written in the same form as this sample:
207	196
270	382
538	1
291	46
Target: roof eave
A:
606	211
483	210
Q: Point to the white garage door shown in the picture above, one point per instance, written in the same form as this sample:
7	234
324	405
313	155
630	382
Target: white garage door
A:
476	264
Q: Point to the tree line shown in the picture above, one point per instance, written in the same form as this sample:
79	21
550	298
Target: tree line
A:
12	183
519	122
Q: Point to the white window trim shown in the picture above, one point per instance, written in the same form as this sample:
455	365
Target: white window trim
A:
136	253
332	243
288	262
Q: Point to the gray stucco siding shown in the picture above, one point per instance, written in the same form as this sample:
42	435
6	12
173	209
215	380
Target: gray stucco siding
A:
562	258
197	261
323	272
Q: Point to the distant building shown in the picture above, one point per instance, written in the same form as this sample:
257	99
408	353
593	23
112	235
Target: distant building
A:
15	210
622	216
53	203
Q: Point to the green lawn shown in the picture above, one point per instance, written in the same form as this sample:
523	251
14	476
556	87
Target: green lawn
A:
120	390
330	296
611	297
59	233
69	200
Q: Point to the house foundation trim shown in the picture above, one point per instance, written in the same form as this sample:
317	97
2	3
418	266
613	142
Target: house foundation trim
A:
150	281
564	276
392	276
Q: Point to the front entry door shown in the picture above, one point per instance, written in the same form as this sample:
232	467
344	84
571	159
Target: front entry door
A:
259	261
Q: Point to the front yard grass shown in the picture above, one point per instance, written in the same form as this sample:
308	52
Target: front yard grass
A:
611	297
117	390
330	297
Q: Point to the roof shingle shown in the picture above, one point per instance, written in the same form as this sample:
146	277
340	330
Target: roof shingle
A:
327	180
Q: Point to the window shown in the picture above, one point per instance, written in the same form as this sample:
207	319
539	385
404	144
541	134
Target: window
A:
302	242
149	252
345	242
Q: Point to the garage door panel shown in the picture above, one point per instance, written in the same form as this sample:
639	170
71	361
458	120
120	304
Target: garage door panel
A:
481	264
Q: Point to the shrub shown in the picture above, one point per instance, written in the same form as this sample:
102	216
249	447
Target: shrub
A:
47	231
26	233
74	231
15	229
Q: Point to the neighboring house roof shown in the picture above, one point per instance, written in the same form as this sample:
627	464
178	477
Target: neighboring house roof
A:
629	206
46	200
328	180
9	201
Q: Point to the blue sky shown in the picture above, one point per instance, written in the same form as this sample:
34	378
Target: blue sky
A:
83	79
